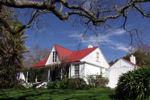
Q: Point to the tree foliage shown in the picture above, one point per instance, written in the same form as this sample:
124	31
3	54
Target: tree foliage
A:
142	55
11	49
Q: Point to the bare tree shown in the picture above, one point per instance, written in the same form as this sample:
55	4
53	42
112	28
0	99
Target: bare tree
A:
35	55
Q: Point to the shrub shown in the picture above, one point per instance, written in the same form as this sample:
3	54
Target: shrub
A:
134	85
19	86
54	85
101	81
73	83
77	83
91	80
64	83
97	81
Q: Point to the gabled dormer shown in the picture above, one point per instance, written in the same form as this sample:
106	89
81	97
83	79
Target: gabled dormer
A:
53	57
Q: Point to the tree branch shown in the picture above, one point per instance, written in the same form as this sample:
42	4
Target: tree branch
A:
26	4
76	9
33	17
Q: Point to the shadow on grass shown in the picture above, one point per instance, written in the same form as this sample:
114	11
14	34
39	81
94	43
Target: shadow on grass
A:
113	97
82	98
57	94
90	97
26	94
61	91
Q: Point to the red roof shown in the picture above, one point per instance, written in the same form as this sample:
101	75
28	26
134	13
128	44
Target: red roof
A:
41	63
66	55
77	55
62	52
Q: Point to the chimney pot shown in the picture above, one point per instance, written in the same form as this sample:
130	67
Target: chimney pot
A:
90	46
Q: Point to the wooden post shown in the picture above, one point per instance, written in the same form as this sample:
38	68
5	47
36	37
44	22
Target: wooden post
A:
27	77
48	75
36	79
61	73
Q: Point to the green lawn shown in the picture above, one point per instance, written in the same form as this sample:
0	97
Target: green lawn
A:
56	94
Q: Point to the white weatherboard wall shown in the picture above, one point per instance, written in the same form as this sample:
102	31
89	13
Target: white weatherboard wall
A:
82	70
91	70
116	70
92	65
92	58
85	70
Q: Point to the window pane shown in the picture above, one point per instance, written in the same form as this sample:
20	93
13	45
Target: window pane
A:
54	56
76	70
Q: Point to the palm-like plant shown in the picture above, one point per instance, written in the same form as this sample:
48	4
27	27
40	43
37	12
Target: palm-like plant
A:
11	49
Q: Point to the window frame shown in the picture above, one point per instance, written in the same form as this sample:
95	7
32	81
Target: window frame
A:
76	70
54	56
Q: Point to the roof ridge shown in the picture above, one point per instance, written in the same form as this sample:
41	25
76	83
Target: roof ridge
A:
84	49
73	50
80	54
62	47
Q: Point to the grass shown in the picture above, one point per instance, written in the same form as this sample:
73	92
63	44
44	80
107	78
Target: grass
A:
56	94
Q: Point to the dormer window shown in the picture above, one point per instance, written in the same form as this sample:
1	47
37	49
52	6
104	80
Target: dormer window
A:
54	56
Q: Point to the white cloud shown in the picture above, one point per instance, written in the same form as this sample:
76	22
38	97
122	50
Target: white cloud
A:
103	39
117	31
76	35
120	46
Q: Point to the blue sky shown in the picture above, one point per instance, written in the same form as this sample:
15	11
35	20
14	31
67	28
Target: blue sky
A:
114	42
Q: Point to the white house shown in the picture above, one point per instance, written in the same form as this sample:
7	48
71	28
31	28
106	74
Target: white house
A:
118	68
80	63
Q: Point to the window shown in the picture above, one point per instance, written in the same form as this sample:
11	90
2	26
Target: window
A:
76	70
97	57
54	56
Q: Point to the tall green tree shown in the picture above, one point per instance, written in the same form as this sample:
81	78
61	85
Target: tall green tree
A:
11	48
